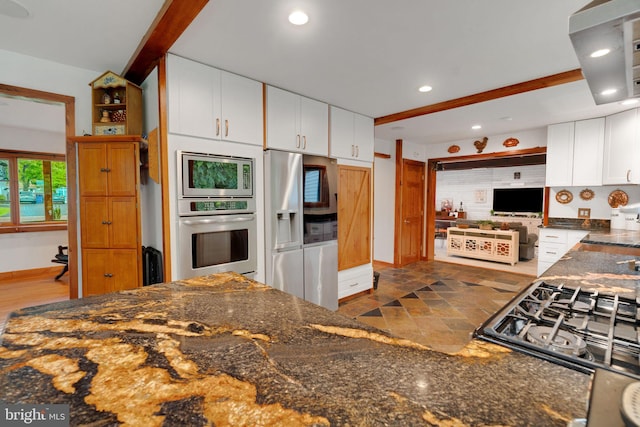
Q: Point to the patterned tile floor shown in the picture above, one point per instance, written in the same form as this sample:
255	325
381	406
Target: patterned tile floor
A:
437	304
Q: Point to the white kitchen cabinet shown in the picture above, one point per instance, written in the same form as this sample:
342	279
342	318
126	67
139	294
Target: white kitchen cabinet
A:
351	135
210	103
588	148
574	153
559	154
554	243
296	123
355	280
621	149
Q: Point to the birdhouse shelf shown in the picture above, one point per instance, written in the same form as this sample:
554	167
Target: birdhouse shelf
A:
116	105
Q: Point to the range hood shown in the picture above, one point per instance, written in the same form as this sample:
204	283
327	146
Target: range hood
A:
615	25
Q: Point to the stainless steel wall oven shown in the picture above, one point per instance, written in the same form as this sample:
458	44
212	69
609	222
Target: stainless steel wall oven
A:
217	229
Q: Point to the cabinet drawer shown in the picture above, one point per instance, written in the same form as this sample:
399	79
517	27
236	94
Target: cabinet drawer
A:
354	280
551	252
553	236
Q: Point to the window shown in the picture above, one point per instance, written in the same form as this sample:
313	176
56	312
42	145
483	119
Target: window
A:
316	187
33	191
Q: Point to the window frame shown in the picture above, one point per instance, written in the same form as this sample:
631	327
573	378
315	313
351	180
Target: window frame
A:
15	226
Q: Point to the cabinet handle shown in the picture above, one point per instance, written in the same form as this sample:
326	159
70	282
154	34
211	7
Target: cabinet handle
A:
108	275
217	127
304	142
105	170
357	151
106	222
298	141
353	284
353	150
629	175
226	128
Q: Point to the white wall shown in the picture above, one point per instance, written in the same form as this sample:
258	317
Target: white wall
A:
151	191
384	177
34	73
24	251
527	139
599	205
462	186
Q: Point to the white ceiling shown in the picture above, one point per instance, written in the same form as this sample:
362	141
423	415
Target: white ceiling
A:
369	56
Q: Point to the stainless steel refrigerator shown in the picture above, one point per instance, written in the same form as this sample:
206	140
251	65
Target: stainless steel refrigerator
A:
310	273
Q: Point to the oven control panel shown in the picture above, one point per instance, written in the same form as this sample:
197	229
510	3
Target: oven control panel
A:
191	207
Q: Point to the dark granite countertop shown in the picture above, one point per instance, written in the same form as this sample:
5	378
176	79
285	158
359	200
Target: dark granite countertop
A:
600	261
224	350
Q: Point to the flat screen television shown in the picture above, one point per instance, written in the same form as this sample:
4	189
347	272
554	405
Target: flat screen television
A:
518	199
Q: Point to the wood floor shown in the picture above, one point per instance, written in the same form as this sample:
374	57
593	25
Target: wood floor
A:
27	293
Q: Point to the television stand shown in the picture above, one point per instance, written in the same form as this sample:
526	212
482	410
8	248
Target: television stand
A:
490	245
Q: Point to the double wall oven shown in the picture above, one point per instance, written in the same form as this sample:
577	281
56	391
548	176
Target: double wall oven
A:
217	215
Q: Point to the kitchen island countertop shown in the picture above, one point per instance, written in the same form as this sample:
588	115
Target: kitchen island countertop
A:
225	350
600	261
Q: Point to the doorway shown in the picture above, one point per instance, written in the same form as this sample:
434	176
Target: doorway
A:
68	103
412	212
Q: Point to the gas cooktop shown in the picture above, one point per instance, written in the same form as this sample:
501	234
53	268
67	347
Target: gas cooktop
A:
577	328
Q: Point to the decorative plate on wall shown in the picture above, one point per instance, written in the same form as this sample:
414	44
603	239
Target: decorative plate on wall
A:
587	194
454	149
618	198
564	196
510	142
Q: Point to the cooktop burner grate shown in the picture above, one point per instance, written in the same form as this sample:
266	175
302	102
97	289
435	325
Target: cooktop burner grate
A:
580	329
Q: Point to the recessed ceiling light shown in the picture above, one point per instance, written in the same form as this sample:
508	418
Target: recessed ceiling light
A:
298	18
13	9
476	127
608	92
425	88
600	52
630	101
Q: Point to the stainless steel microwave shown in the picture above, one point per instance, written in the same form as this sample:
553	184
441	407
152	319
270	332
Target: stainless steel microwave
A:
207	175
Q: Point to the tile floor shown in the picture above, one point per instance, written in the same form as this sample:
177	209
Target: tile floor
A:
434	303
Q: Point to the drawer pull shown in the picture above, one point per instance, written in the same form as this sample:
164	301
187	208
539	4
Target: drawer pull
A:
353	284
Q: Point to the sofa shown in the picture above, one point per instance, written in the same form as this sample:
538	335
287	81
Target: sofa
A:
527	241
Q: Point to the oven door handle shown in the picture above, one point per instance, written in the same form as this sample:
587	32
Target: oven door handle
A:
217	220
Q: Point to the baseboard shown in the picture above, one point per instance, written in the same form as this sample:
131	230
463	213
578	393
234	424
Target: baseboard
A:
10	276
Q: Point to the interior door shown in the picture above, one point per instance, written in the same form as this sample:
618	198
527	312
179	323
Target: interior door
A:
412	211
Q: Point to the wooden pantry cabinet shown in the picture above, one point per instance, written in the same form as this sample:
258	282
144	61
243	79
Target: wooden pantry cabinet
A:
109	200
355	272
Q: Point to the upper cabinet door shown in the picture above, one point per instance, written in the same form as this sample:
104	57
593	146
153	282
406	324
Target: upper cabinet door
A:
282	130
588	148
314	126
351	135
296	123
108	169
363	137
193	103
342	133
241	109
621	164
559	168
209	103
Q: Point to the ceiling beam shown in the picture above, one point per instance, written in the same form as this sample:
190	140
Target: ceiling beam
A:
541	83
172	19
